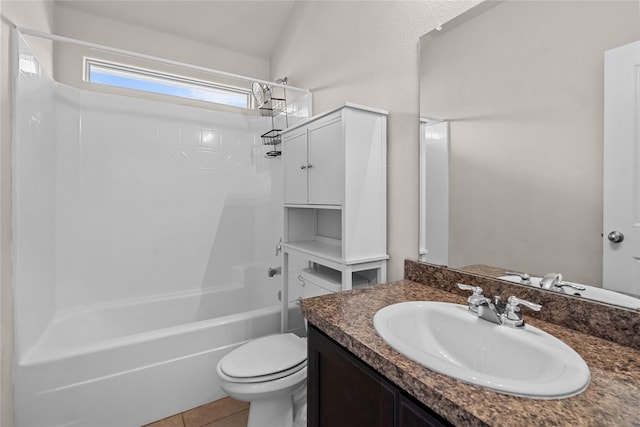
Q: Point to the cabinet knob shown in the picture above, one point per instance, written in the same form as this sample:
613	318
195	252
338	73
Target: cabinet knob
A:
303	167
307	166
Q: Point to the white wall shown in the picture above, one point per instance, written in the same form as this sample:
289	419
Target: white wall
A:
101	30
367	53
37	15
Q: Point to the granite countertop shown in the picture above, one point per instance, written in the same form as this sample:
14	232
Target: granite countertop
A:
611	399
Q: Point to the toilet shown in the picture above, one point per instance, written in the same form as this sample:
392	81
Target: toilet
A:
270	373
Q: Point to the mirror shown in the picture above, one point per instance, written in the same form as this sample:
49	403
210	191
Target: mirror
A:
520	85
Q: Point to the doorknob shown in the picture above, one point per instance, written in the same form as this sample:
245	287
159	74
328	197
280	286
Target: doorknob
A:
615	237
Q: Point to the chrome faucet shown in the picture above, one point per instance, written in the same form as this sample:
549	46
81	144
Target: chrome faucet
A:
507	314
553	281
479	305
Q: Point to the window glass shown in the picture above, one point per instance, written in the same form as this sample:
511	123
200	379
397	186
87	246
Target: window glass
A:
166	84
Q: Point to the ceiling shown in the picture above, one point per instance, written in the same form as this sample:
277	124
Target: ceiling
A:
252	27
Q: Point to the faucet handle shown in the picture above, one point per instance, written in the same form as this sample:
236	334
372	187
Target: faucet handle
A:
525	278
570	285
512	315
513	302
475	300
477	290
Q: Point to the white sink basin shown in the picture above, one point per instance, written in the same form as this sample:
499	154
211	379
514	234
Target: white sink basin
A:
446	338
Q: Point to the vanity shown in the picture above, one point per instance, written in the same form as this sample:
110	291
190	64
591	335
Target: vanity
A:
355	378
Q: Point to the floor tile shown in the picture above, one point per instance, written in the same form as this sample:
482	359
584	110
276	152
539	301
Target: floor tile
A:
214	411
239	419
173	421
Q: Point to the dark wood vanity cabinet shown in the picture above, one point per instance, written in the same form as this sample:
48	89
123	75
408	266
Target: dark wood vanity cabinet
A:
345	392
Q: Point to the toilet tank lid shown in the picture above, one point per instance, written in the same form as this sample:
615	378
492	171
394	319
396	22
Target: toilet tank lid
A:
265	356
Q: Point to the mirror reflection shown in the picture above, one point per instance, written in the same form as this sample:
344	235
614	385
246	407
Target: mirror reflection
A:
521	89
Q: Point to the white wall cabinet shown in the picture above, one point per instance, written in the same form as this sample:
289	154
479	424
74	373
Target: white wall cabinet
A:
335	196
314	163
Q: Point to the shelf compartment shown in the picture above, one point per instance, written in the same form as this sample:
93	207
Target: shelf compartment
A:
316	248
315	231
330	278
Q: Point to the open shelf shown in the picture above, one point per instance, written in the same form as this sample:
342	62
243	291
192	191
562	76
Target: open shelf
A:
314	231
300	206
315	248
330	278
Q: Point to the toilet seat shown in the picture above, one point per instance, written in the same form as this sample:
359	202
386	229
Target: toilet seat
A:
262	378
265	359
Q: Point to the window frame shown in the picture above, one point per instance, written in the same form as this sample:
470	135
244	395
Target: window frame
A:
147	75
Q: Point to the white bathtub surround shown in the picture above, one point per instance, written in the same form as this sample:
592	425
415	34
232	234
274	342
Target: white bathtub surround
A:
143	232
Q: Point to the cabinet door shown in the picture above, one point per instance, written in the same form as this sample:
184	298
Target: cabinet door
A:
413	415
295	176
342	392
326	157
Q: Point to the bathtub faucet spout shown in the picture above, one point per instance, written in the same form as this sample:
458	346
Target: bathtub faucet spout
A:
274	271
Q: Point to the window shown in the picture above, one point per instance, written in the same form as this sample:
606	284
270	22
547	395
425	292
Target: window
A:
111	74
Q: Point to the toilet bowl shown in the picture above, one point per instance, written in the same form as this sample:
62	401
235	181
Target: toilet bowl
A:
270	373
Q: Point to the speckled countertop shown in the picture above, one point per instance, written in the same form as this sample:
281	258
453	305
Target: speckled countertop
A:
612	398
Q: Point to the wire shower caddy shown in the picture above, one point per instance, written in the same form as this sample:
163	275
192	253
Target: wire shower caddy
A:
275	107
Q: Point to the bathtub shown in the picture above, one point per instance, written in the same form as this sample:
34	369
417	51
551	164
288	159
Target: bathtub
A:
137	361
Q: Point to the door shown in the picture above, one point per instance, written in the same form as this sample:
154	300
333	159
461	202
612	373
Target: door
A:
621	214
326	164
295	167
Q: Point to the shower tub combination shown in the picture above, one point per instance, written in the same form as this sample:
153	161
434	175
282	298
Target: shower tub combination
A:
135	362
143	234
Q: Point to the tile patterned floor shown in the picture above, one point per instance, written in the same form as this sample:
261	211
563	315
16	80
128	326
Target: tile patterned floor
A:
225	412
